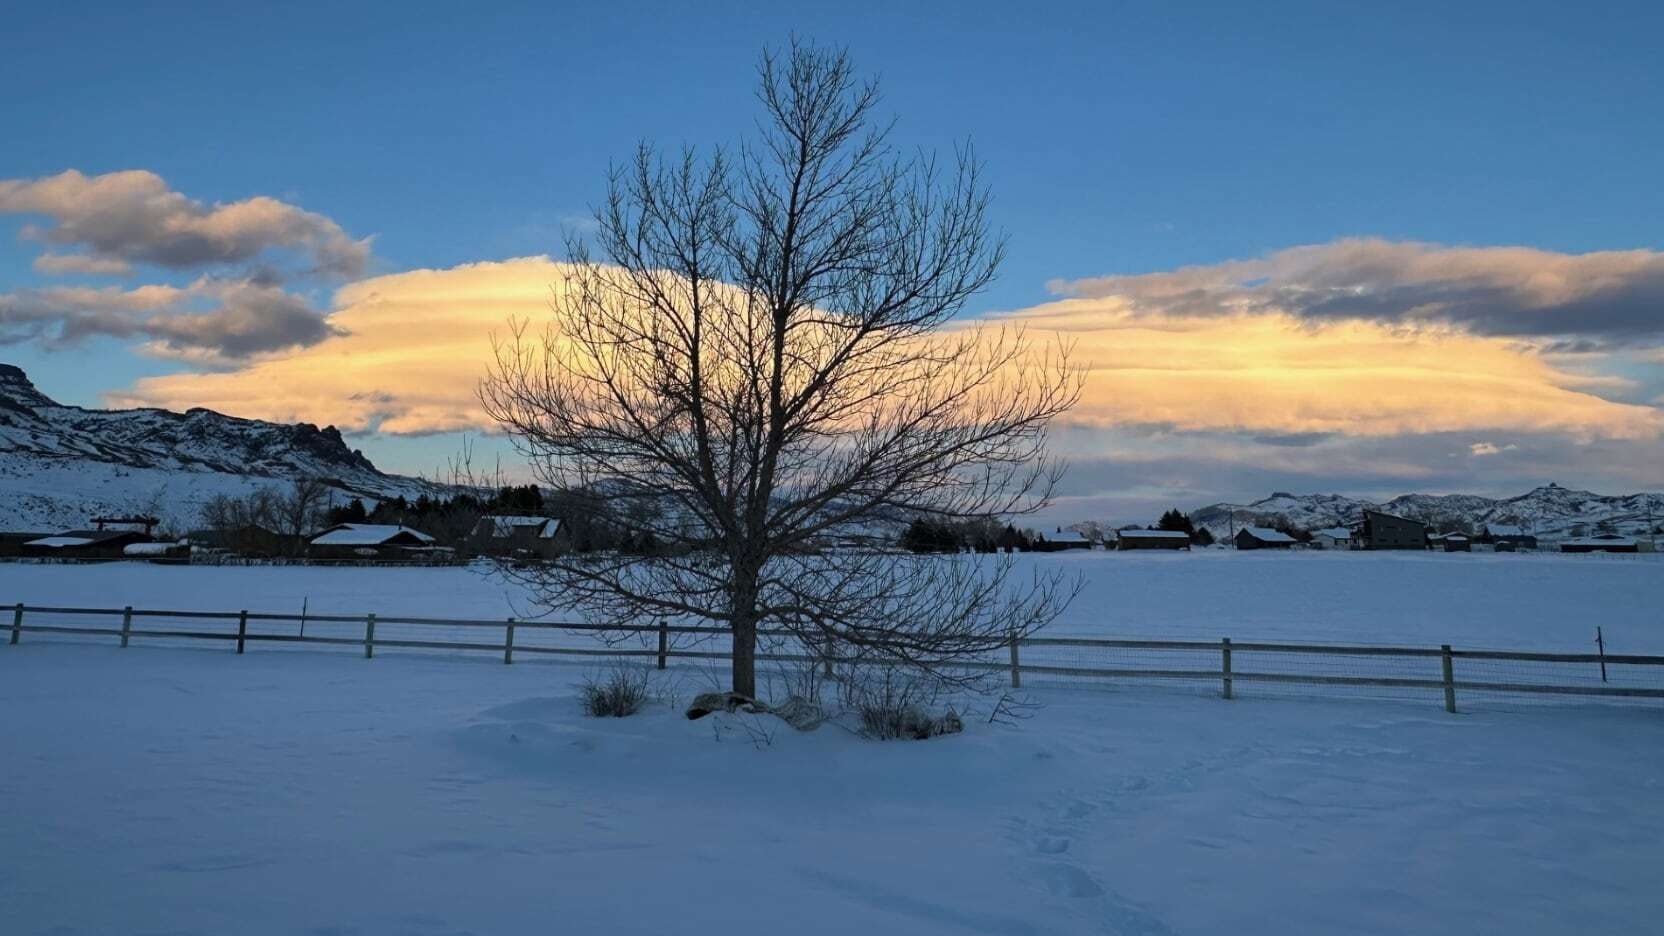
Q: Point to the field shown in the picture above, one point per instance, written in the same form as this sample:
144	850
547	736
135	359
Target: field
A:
186	790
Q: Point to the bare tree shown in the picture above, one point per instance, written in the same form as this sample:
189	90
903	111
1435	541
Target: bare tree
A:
762	362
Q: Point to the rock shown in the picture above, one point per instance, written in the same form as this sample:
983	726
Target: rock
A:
707	702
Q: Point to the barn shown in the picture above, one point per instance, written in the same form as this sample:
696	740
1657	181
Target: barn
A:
1263	538
1385	531
1152	539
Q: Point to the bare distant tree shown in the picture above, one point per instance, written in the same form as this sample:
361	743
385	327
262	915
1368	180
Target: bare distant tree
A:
762	362
268	520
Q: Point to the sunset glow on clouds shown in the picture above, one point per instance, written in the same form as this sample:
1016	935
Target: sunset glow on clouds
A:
412	347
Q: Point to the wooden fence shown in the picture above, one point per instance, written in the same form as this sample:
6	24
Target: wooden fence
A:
1574	671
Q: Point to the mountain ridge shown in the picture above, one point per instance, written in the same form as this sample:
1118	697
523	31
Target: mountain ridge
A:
1549	511
62	463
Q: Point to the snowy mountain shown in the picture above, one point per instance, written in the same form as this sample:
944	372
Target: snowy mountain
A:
1550	511
60	465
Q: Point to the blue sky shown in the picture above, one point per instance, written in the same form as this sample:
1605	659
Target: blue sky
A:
1119	138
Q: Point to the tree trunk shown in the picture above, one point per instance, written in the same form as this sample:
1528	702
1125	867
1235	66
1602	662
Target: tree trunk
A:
744	627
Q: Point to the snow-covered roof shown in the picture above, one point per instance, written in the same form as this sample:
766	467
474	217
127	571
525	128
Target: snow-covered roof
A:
501	526
1067	536
365	534
1334	533
1154	534
148	549
59	542
1602	539
1267	535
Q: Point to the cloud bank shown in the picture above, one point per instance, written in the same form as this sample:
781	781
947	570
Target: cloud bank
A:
408	349
1604	298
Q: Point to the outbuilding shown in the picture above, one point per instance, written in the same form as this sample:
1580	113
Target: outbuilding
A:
1453	542
1061	539
1152	539
1263	538
1333	538
1602	542
1509	537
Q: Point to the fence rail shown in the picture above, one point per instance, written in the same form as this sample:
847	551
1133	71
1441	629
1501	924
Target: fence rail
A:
1225	663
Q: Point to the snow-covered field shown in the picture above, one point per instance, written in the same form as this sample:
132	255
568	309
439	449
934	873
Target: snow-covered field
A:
1544	601
187	790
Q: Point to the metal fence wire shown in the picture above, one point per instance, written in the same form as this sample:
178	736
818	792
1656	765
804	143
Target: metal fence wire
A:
1228	668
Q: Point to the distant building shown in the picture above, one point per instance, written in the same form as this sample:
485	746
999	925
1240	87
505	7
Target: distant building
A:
1333	538
1453	542
1510	538
369	541
1602	542
157	552
1262	538
1152	539
84	544
11	543
1061	539
529	537
1385	531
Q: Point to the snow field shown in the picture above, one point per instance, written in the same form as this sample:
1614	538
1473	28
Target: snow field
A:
192	791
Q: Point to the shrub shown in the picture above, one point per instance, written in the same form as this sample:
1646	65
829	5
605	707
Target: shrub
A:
895	705
622	692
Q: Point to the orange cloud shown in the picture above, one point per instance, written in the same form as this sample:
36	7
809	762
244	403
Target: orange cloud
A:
411	347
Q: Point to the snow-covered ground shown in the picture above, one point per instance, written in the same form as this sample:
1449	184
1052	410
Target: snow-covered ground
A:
1543	601
191	791
183	789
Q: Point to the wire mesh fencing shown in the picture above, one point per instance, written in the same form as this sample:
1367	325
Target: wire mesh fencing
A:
1226	668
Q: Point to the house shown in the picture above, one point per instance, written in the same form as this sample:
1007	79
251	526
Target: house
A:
1061	539
1602	542
503	535
369	541
1385	531
1262	538
1509	538
1152	539
84	544
1332	538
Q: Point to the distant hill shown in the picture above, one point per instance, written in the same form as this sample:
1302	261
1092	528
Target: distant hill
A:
60	465
1550	511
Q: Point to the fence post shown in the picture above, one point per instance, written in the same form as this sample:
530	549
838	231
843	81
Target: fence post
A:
508	643
370	636
242	629
17	622
126	623
1225	653
1016	670
1449	681
664	640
